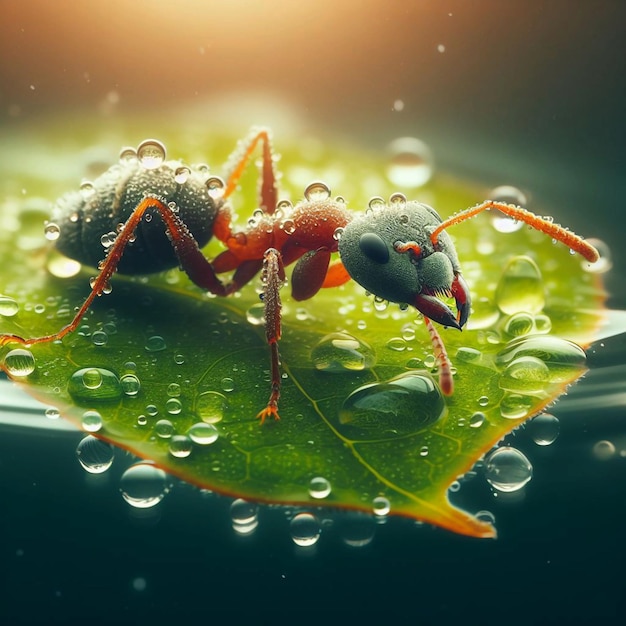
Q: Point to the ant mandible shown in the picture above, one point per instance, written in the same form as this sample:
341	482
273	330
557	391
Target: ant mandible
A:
152	214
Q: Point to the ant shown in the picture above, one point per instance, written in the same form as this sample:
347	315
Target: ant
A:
151	214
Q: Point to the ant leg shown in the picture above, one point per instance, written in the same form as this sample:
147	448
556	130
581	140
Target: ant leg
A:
183	242
555	231
445	372
273	278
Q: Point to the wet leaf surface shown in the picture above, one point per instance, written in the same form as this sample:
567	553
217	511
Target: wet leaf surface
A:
178	377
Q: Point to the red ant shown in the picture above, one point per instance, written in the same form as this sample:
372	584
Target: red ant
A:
153	214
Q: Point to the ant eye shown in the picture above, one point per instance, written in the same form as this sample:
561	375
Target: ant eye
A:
374	248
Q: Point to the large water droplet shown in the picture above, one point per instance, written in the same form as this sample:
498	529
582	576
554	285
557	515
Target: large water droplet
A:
130	384
317	191
156	343
203	434
95	455
19	362
211	406
507	469
94	383
151	153
400	406
180	446
164	429
544	429
341	352
410	162
8	306
91	421
520	287
304	529
244	516
143	485
565	360
527	374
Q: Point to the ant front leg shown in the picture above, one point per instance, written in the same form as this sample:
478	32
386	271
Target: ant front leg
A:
573	241
273	278
191	259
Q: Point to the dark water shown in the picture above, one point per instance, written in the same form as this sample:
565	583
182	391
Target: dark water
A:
526	93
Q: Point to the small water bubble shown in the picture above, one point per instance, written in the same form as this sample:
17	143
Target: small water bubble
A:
304	529
88	191
173	390
179	359
486	516
316	191
424	451
92	378
338	233
381	506
357	529
130	384
151	154
8	306
164	429
211	406
52	231
91	421
108	239
227	384
203	434
215	186
99	338
142	420
526	374
155	343
180	446
19	362
507	194
173	406
514	406
483	400
95	455
244	516
181	174
544	429
319	488
410	162
376	203
468	355
341	352
127	154
397	344
519	324
143	485
52	413
288	226
507	469
477	419
152	410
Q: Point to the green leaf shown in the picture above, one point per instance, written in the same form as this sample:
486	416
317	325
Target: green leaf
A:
161	369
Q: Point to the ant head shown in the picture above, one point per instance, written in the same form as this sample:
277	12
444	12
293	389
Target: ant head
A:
388	250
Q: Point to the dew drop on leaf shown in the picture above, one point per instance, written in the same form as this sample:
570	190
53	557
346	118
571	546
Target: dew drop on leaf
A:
203	434
341	352
180	446
91	421
8	306
19	362
319	488
520	288
164	429
95	455
94	383
211	406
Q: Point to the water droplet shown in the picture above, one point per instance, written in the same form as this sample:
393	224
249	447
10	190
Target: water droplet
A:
151	153
397	344
244	516
215	186
410	164
108	239
130	384
227	384
338	233
211	406
603	450
164	429
604	263
304	529
152	410
88	191
8	306
341	352
520	288
319	488
52	413
397	200
477	419
424	451
514	406
376	203
203	434
95	455
527	374
127	154
400	406
180	446
316	191
486	516
519	324
468	355
381	506
142	420
52	231
99	338
179	359
483	400
182	174
173	406
565	360
156	343
357	529
19	362
143	485
544	429
91	378
256	314
507	469
91	421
